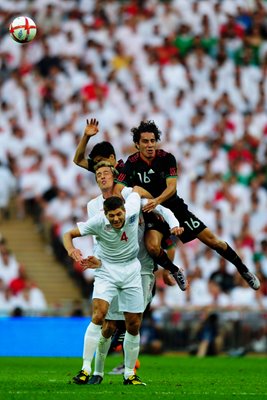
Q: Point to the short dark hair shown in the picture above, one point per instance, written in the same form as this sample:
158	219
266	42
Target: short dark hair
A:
112	203
145	126
103	149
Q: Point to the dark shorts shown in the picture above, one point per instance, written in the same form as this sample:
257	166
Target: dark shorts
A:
191	224
155	222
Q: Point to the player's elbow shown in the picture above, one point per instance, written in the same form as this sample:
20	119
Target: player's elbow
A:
76	160
81	162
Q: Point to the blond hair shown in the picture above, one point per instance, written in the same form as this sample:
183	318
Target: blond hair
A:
101	164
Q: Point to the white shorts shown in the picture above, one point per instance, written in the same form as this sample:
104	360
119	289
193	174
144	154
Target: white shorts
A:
113	311
122	280
148	281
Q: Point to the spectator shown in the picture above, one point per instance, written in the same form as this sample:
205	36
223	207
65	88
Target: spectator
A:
8	189
209	339
9	266
222	277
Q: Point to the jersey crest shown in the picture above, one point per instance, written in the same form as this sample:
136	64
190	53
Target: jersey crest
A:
132	219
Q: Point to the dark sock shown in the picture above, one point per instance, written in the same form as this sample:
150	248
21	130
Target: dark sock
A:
230	255
163	260
117	338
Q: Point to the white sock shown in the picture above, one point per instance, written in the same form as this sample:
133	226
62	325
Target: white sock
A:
101	354
91	338
131	345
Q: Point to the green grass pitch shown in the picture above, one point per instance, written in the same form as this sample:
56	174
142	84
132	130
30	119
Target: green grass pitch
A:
167	377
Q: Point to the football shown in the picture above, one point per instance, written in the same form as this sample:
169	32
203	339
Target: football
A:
22	29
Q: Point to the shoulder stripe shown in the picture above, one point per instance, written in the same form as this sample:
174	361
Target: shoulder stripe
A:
121	178
162	153
134	157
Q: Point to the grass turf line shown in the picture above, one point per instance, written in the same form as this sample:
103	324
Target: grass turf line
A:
167	377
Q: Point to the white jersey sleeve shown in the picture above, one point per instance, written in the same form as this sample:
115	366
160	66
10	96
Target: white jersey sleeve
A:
92	226
126	191
133	204
166	213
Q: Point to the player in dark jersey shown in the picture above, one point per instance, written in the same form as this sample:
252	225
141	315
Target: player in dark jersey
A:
156	171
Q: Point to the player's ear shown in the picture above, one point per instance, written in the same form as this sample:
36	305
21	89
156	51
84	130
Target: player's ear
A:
136	145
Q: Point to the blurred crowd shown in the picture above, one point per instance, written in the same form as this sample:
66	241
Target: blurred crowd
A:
197	68
19	295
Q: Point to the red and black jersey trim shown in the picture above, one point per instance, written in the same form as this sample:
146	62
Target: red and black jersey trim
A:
134	157
161	153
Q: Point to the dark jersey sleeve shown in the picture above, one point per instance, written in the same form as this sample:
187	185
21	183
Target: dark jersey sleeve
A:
126	175
119	166
170	166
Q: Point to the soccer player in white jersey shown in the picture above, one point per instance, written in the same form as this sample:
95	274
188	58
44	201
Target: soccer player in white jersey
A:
119	274
105	180
106	253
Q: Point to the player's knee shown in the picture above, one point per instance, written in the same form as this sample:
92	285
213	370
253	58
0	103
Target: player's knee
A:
216	244
108	328
133	326
153	249
98	317
211	240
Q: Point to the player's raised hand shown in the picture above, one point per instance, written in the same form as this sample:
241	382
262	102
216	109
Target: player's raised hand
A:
90	262
91	128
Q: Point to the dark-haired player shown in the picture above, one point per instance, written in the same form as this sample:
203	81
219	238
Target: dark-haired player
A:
116	229
114	319
102	151
156	171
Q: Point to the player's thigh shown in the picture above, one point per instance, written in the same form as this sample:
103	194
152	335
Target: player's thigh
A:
100	308
154	222
152	239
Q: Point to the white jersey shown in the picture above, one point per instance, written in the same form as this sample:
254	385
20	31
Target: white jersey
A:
95	206
121	242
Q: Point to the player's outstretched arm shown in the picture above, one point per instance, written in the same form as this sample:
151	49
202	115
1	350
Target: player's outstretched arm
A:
165	195
74	253
143	193
90	130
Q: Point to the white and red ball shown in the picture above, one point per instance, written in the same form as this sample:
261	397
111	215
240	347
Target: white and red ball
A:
22	29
